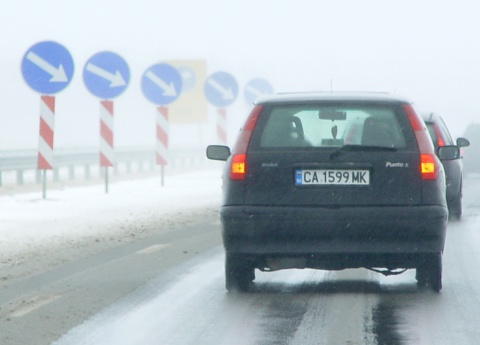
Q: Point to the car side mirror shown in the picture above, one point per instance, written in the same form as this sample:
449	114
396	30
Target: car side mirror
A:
218	152
449	152
462	142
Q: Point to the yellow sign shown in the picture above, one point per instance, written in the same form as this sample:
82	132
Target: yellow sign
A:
191	105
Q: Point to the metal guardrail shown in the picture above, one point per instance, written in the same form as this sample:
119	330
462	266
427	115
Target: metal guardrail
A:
125	159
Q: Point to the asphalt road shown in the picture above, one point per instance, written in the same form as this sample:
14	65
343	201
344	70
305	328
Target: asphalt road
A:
169	289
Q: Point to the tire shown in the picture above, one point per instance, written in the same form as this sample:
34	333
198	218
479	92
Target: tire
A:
429	272
239	274
455	208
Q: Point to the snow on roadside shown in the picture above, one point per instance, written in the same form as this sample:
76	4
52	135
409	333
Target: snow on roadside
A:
66	216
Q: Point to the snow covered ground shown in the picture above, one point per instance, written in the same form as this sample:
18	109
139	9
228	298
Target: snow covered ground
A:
74	217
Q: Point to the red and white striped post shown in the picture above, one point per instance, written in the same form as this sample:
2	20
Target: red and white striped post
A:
106	137
222	125
162	138
45	142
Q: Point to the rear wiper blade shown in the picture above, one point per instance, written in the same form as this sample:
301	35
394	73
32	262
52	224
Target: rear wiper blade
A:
360	148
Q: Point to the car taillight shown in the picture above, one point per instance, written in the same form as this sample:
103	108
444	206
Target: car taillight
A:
237	171
238	167
428	162
440	141
427	167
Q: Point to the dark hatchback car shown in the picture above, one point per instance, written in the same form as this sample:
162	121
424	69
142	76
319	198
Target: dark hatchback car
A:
453	167
333	181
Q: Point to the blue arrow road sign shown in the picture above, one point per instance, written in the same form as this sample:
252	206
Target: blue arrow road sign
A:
47	67
256	88
161	84
221	89
106	75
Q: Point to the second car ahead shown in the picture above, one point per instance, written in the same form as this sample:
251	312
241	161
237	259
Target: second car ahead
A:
333	181
453	167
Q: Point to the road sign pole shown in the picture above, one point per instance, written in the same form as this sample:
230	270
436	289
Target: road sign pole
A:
221	90
45	142
106	180
47	68
44	184
106	137
106	75
222	125
162	175
162	139
161	85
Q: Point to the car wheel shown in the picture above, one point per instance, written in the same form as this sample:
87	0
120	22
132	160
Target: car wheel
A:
429	272
238	273
455	208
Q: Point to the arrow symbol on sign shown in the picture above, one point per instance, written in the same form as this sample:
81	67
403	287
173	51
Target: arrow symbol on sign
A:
58	74
114	79
226	93
255	91
186	74
168	89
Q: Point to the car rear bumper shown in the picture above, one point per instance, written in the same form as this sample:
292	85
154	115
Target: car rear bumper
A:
367	233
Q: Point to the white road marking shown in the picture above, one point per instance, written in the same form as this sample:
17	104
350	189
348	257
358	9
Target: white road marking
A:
153	249
33	304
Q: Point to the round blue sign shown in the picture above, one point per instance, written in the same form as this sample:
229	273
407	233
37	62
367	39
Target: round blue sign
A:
106	75
221	89
161	84
256	88
47	67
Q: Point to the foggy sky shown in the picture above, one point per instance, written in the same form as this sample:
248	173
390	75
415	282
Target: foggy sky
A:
428	52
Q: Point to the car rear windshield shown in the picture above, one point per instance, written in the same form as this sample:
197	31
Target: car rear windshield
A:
331	126
439	134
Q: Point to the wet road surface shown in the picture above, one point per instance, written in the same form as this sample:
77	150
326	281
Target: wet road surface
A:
186	303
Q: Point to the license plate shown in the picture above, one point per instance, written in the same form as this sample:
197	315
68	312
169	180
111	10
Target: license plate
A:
332	177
